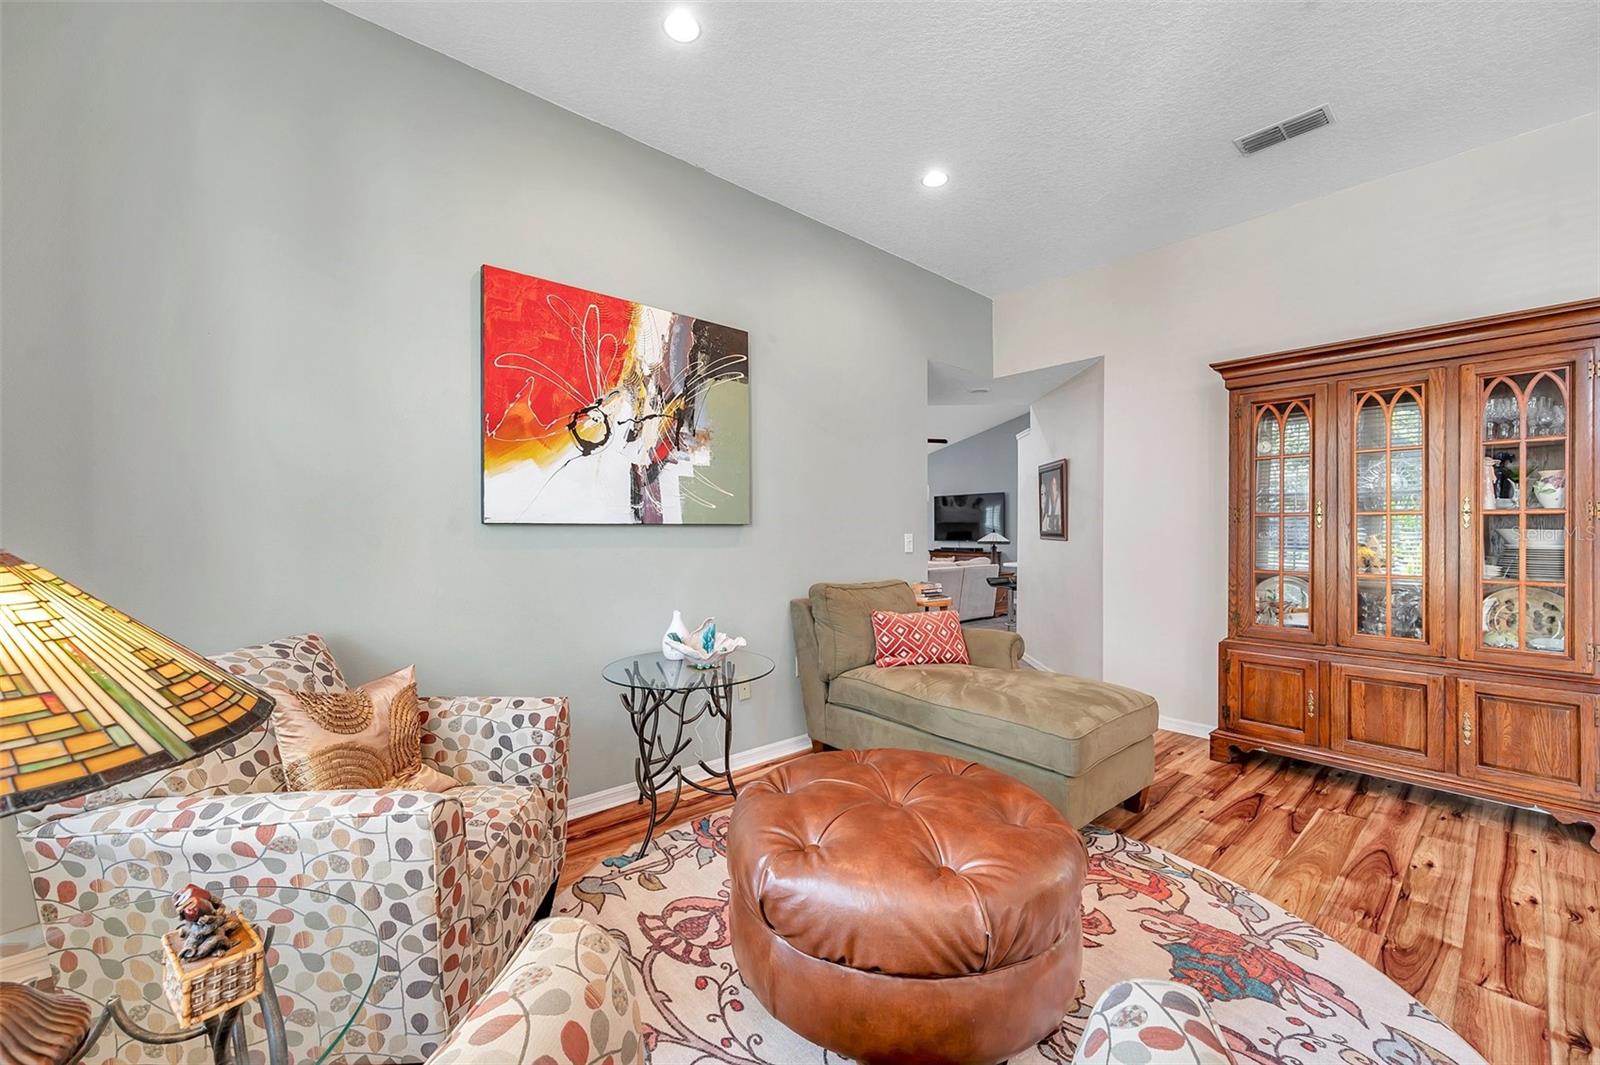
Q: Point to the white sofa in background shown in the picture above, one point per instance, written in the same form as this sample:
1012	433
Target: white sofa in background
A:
966	582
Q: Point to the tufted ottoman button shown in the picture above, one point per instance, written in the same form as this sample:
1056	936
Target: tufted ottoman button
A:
880	947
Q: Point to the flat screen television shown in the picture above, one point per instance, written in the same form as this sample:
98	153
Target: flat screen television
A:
967	518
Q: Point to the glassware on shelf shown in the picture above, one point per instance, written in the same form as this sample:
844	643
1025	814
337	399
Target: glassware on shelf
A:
1501	415
1372	615
1405	609
1389	524
1547	407
1405	479
1283	601
1372	476
1281	515
1526	563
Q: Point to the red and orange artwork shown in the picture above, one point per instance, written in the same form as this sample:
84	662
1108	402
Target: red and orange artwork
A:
599	410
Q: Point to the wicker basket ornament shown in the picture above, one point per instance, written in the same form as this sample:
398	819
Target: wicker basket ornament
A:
201	988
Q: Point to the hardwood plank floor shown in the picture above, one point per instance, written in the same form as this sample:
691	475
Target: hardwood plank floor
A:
1489	915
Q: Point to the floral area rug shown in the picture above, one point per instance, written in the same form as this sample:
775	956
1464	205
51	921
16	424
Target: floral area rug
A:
1281	990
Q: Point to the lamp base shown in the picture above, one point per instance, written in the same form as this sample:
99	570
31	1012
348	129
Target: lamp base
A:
41	1027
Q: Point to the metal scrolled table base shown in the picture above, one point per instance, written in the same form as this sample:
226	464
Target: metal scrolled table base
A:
655	768
224	1033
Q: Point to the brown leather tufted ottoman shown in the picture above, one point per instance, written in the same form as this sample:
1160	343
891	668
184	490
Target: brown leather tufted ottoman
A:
896	906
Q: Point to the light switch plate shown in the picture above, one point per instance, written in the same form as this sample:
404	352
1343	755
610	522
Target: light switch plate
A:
744	692
909	543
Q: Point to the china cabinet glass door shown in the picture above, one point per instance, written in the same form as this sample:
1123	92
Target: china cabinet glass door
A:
1526	475
1392	554
1283	515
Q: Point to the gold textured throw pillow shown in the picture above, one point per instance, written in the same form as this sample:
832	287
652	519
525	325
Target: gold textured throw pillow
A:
367	737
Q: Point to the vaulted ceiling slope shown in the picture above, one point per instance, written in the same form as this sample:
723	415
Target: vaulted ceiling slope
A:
1074	133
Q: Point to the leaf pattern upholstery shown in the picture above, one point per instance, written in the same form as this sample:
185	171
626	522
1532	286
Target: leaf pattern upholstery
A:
1150	1020
570	991
406	857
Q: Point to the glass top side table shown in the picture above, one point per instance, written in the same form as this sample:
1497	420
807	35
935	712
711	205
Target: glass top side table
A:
114	937
663	698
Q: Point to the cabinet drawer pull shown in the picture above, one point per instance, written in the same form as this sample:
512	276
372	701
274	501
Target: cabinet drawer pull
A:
1311	704
1319	513
1466	512
1466	730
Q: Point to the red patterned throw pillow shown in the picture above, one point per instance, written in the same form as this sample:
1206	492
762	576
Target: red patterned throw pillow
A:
927	638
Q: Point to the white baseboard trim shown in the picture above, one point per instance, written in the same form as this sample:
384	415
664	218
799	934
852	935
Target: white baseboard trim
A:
23	956
1183	725
597	801
1036	664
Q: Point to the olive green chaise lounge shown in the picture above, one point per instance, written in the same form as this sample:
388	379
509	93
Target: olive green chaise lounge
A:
1083	744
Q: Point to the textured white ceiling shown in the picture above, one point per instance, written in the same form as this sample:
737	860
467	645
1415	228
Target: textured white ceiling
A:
1074	133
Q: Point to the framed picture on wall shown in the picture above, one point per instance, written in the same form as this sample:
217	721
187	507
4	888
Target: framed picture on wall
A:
605	411
1053	500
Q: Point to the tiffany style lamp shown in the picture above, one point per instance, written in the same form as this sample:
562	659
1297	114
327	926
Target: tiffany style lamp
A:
994	540
90	697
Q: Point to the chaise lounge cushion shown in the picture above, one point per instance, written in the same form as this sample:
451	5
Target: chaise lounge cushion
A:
843	617
1058	722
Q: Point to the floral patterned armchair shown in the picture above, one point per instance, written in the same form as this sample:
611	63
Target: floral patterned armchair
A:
451	882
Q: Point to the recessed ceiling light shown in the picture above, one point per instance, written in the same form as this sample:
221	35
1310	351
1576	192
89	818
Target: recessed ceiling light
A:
979	391
681	26
934	178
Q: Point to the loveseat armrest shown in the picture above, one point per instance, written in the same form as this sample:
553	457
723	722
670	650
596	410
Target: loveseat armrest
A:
511	1023
397	855
1132	1016
207	813
993	649
487	739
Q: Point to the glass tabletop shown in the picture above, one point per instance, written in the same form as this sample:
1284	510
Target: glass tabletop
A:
324	944
654	670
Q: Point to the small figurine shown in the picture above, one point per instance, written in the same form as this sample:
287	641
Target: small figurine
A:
207	926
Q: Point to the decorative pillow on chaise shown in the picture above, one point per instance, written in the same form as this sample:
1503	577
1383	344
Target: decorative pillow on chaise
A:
366	737
928	638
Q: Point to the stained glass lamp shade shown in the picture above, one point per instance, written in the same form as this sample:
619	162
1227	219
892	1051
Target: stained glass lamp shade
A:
994	540
89	697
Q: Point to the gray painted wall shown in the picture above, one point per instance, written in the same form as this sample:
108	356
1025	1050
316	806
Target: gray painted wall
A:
1060	584
240	283
986	462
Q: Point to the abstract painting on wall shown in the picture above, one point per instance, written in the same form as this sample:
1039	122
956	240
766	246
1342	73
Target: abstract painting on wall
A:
601	411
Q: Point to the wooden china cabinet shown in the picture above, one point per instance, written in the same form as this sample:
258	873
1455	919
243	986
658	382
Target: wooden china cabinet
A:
1412	572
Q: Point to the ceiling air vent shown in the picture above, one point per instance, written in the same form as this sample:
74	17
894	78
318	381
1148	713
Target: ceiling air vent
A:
1251	143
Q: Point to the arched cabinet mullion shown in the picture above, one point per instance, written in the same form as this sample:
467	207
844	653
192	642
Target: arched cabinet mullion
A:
1280	516
1525	567
1390	544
